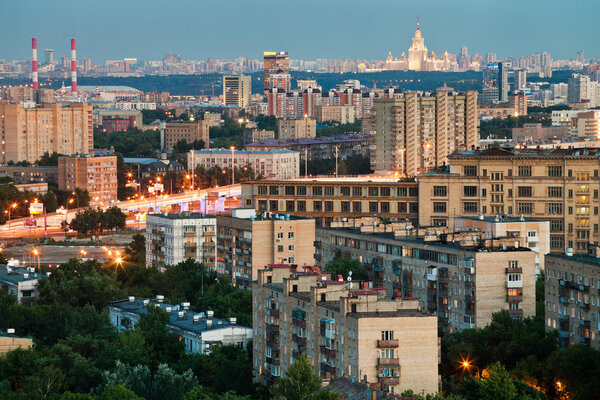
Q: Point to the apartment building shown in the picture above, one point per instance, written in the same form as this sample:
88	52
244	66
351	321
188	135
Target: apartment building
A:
344	328
572	301
297	128
173	238
173	132
277	164
19	282
462	277
416	132
256	135
236	90
536	131
274	63
9	342
28	131
556	185
247	241
198	331
35	174
96	174
331	199
342	114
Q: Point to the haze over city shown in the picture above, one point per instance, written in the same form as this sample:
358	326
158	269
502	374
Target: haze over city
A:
309	29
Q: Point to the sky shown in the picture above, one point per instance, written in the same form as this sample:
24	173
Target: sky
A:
308	29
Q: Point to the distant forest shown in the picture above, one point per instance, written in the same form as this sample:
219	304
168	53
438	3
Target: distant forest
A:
194	85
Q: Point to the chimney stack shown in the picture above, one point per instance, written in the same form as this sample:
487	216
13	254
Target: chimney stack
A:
34	64
73	67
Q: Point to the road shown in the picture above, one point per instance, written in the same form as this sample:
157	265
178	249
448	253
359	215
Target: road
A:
54	255
192	200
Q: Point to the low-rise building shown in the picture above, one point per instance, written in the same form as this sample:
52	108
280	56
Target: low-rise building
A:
189	132
342	114
277	164
536	131
20	282
20	174
198	331
257	135
173	238
331	199
344	328
97	175
462	277
247	241
296	128
131	118
36	188
9	342
571	297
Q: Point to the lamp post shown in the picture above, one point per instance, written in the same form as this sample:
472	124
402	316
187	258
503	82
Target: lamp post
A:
337	151
466	364
13	205
36	253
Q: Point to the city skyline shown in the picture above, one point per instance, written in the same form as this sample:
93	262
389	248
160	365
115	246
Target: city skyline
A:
153	31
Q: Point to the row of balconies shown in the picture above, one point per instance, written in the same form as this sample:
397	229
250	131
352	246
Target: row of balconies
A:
298	339
328	352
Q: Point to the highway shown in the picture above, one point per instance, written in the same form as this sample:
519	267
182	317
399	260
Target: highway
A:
191	200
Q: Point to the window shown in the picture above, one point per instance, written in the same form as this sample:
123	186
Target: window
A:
384	206
329	206
329	190
483	192
279	235
557	242
290	235
555	170
402	192
274	190
413	192
525	208
402	209
373	206
357	191
582	176
470	191
440	191
280	248
439	206
345	206
289	205
470	170
356	206
555	191
262	205
373	191
413	208
470	206
345	191
301	205
317	190
525	191
555	208
317	206
497	176
524	170
384	191
291	247
273	205
290	190
301	190
262	190
387	335
509	192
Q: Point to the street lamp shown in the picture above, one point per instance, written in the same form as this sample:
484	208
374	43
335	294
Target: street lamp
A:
466	364
36	253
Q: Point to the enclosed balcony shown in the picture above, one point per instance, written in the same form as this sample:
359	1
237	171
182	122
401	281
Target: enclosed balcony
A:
388	362
387	344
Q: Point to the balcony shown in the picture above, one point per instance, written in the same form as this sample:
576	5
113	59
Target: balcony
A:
299	322
516	313
298	339
514	299
189	234
514	284
327	369
272	312
389	380
584	306
565	334
273	361
584	341
387	362
272	344
330	353
387	344
517	270
563	300
272	328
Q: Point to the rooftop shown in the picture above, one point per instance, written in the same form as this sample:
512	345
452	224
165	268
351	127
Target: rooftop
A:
341	180
91	88
249	152
499	219
181	215
582	258
309	141
529	152
15	275
185	323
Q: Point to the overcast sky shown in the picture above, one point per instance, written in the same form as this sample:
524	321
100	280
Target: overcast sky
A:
308	29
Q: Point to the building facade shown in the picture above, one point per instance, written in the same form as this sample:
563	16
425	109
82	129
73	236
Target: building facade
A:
20	282
28	133
331	199
535	131
37	174
274	63
344	328
415	133
297	128
97	175
173	238
556	185
571	298
277	164
186	131
199	332
461	277
342	114
247	241
237	90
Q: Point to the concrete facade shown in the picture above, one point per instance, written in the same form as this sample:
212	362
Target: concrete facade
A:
342	114
97	175
187	131
344	329
297	128
237	90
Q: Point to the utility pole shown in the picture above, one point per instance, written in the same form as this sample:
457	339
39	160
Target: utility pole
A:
306	162
336	160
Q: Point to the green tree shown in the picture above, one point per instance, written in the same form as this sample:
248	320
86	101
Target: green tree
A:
118	392
300	383
343	265
49	160
113	218
136	249
50	201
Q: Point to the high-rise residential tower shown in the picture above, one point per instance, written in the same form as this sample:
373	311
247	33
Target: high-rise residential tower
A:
275	63
236	90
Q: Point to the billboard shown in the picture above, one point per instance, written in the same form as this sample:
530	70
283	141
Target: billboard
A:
36	208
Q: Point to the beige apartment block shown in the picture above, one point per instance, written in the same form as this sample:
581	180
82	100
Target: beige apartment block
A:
247	241
415	133
97	175
572	297
344	328
555	185
297	128
10	342
236	90
187	131
462	277
342	114
29	132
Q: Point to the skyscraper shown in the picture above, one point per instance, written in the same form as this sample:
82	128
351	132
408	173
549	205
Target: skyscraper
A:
495	84
417	53
274	63
49	56
502	82
236	90
578	88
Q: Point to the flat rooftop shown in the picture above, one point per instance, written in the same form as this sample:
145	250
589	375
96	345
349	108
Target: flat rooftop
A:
17	275
245	152
183	215
501	220
582	258
342	179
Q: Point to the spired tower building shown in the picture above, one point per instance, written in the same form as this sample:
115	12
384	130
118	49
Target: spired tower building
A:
417	53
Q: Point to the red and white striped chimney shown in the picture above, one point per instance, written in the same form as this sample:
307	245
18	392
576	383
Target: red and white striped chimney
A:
34	71
73	67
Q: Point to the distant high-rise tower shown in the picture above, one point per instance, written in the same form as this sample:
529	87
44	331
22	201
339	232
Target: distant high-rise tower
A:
236	90
417	53
520	79
502	82
49	56
578	88
274	63
490	58
580	56
495	84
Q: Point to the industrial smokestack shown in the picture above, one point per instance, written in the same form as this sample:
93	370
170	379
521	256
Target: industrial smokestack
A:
73	67
34	70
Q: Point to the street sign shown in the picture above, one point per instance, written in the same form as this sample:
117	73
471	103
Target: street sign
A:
30	222
36	208
62	211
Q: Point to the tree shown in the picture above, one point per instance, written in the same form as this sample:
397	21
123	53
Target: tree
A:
118	392
113	218
343	265
50	201
136	249
49	160
300	383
